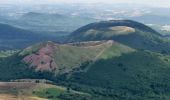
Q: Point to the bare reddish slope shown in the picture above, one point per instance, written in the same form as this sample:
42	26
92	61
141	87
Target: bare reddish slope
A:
42	60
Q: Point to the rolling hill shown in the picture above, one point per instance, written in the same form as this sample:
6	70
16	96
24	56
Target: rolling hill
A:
16	38
56	59
127	32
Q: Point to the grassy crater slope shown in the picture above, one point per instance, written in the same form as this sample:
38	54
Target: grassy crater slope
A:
128	32
46	59
67	57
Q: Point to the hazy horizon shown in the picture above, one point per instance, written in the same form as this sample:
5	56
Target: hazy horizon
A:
158	3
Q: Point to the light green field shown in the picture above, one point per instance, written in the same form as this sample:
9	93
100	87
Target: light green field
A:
7	53
34	91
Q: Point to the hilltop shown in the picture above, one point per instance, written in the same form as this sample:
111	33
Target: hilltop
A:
109	24
59	59
64	58
127	32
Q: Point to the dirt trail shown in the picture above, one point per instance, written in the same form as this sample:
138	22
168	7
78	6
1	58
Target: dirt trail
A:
110	43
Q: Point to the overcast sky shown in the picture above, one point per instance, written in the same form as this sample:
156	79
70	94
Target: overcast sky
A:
163	3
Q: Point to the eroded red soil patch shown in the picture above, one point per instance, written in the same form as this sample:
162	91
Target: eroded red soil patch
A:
43	59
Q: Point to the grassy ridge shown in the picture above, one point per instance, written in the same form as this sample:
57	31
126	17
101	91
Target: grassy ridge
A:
70	56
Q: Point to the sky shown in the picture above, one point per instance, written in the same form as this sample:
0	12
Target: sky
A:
162	3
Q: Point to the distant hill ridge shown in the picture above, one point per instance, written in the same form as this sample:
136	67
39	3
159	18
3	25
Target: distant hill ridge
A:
36	14
17	38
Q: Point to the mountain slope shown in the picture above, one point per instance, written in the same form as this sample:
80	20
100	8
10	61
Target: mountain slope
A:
65	58
137	75
131	33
